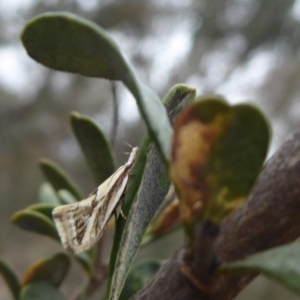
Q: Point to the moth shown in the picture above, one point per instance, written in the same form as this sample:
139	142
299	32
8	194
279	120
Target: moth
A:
80	225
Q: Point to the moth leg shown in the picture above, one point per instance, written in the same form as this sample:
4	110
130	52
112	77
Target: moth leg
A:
118	210
122	213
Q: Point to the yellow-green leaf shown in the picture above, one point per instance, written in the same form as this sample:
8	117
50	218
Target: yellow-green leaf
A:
52	270
218	151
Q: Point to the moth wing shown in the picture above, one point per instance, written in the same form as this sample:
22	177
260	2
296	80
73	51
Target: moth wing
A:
71	222
109	195
112	190
80	225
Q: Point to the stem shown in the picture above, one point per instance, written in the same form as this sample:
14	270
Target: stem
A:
101	269
115	116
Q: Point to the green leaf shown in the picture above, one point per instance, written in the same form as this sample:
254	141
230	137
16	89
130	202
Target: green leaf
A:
179	96
48	195
239	154
58	178
66	197
138	277
86	263
66	42
10	279
281	263
40	290
155	185
53	270
36	222
215	170
94	145
45	209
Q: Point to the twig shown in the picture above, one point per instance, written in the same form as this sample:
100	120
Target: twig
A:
101	269
101	272
115	117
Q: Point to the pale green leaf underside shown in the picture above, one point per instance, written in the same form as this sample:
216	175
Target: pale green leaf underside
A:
153	190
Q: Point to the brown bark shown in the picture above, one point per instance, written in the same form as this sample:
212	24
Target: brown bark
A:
269	218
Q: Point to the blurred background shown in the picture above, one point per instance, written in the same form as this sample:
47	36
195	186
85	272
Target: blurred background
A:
246	50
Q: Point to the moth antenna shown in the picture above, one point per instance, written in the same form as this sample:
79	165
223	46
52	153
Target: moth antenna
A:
127	153
122	214
129	145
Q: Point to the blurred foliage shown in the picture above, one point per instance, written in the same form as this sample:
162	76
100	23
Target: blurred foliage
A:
281	264
138	277
223	39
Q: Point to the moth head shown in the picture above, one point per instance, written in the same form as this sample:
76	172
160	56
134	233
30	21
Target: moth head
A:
132	156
